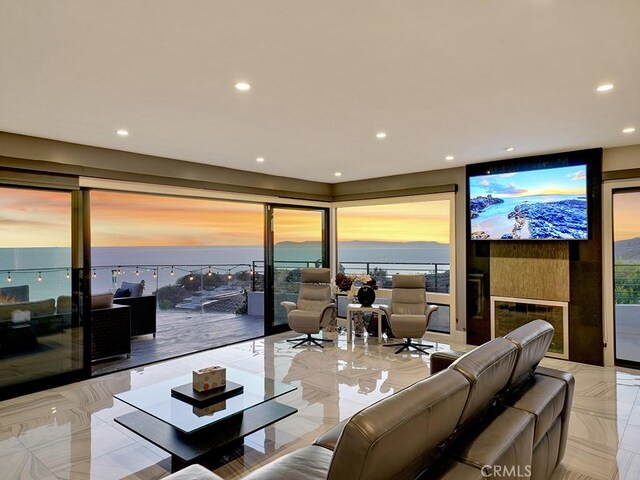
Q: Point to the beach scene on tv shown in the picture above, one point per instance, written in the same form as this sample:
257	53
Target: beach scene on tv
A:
530	205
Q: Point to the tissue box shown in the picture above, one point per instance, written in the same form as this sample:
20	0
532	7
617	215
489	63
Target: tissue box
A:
209	378
211	409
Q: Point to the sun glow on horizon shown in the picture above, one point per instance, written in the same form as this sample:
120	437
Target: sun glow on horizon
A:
141	220
399	222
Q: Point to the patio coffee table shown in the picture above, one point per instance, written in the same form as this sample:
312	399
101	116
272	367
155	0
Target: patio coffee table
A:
188	432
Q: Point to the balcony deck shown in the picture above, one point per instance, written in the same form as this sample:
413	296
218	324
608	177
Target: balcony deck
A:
183	332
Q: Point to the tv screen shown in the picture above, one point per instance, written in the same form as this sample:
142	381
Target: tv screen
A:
545	204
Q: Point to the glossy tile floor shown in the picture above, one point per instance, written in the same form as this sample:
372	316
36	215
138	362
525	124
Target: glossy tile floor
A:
69	432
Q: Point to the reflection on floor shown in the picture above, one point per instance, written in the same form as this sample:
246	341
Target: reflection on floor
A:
69	432
184	332
54	353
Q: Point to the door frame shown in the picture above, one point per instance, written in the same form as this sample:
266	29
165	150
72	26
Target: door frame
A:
608	318
269	268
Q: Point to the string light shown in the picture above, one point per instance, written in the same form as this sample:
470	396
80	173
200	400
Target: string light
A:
172	271
190	275
137	271
154	273
209	272
9	277
67	275
39	276
229	274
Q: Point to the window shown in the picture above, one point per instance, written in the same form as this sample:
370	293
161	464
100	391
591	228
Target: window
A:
400	237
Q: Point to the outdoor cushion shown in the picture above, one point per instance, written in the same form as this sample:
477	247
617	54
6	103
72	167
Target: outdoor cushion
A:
63	304
101	300
122	293
135	289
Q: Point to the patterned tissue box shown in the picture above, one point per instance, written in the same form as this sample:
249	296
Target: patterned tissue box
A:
211	409
209	378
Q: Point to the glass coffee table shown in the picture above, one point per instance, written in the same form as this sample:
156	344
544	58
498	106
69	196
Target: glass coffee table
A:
188	432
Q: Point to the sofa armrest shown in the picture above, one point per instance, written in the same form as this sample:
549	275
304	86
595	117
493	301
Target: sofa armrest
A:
329	438
566	411
193	472
441	359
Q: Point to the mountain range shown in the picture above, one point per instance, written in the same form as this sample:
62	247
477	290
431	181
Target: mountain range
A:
627	250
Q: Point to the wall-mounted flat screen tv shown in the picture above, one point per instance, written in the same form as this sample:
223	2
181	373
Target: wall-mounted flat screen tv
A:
543	204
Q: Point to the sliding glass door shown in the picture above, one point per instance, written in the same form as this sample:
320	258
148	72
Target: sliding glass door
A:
297	238
626	276
40	333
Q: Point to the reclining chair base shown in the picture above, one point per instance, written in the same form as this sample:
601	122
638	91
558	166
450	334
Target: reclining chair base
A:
308	340
409	344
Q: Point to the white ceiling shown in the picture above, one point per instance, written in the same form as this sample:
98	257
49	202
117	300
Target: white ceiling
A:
461	77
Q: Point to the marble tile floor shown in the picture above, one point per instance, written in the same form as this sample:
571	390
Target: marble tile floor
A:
70	433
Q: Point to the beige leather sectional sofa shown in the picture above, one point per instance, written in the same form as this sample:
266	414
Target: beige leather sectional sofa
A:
490	413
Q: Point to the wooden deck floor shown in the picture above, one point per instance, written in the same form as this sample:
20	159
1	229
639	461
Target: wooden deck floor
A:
179	333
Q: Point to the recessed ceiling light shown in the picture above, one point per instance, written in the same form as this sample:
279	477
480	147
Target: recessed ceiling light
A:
508	149
605	87
449	157
122	133
381	135
243	86
338	174
629	130
260	159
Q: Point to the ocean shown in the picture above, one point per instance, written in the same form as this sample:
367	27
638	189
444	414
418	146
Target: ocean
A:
221	259
494	221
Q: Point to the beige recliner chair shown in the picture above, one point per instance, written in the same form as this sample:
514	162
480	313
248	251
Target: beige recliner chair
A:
314	308
409	314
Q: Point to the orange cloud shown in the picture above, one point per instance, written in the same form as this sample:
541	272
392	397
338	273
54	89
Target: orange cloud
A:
402	222
34	218
126	219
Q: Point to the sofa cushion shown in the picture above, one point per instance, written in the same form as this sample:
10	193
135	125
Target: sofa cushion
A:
135	289
488	368
532	341
503	440
544	398
308	463
38	308
101	300
395	437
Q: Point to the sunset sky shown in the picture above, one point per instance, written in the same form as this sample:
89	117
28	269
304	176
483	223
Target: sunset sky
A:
626	222
549	181
34	218
400	222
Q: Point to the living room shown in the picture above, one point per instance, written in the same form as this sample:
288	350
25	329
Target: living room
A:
367	172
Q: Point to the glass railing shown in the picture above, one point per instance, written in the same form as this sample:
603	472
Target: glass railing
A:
627	284
213	288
